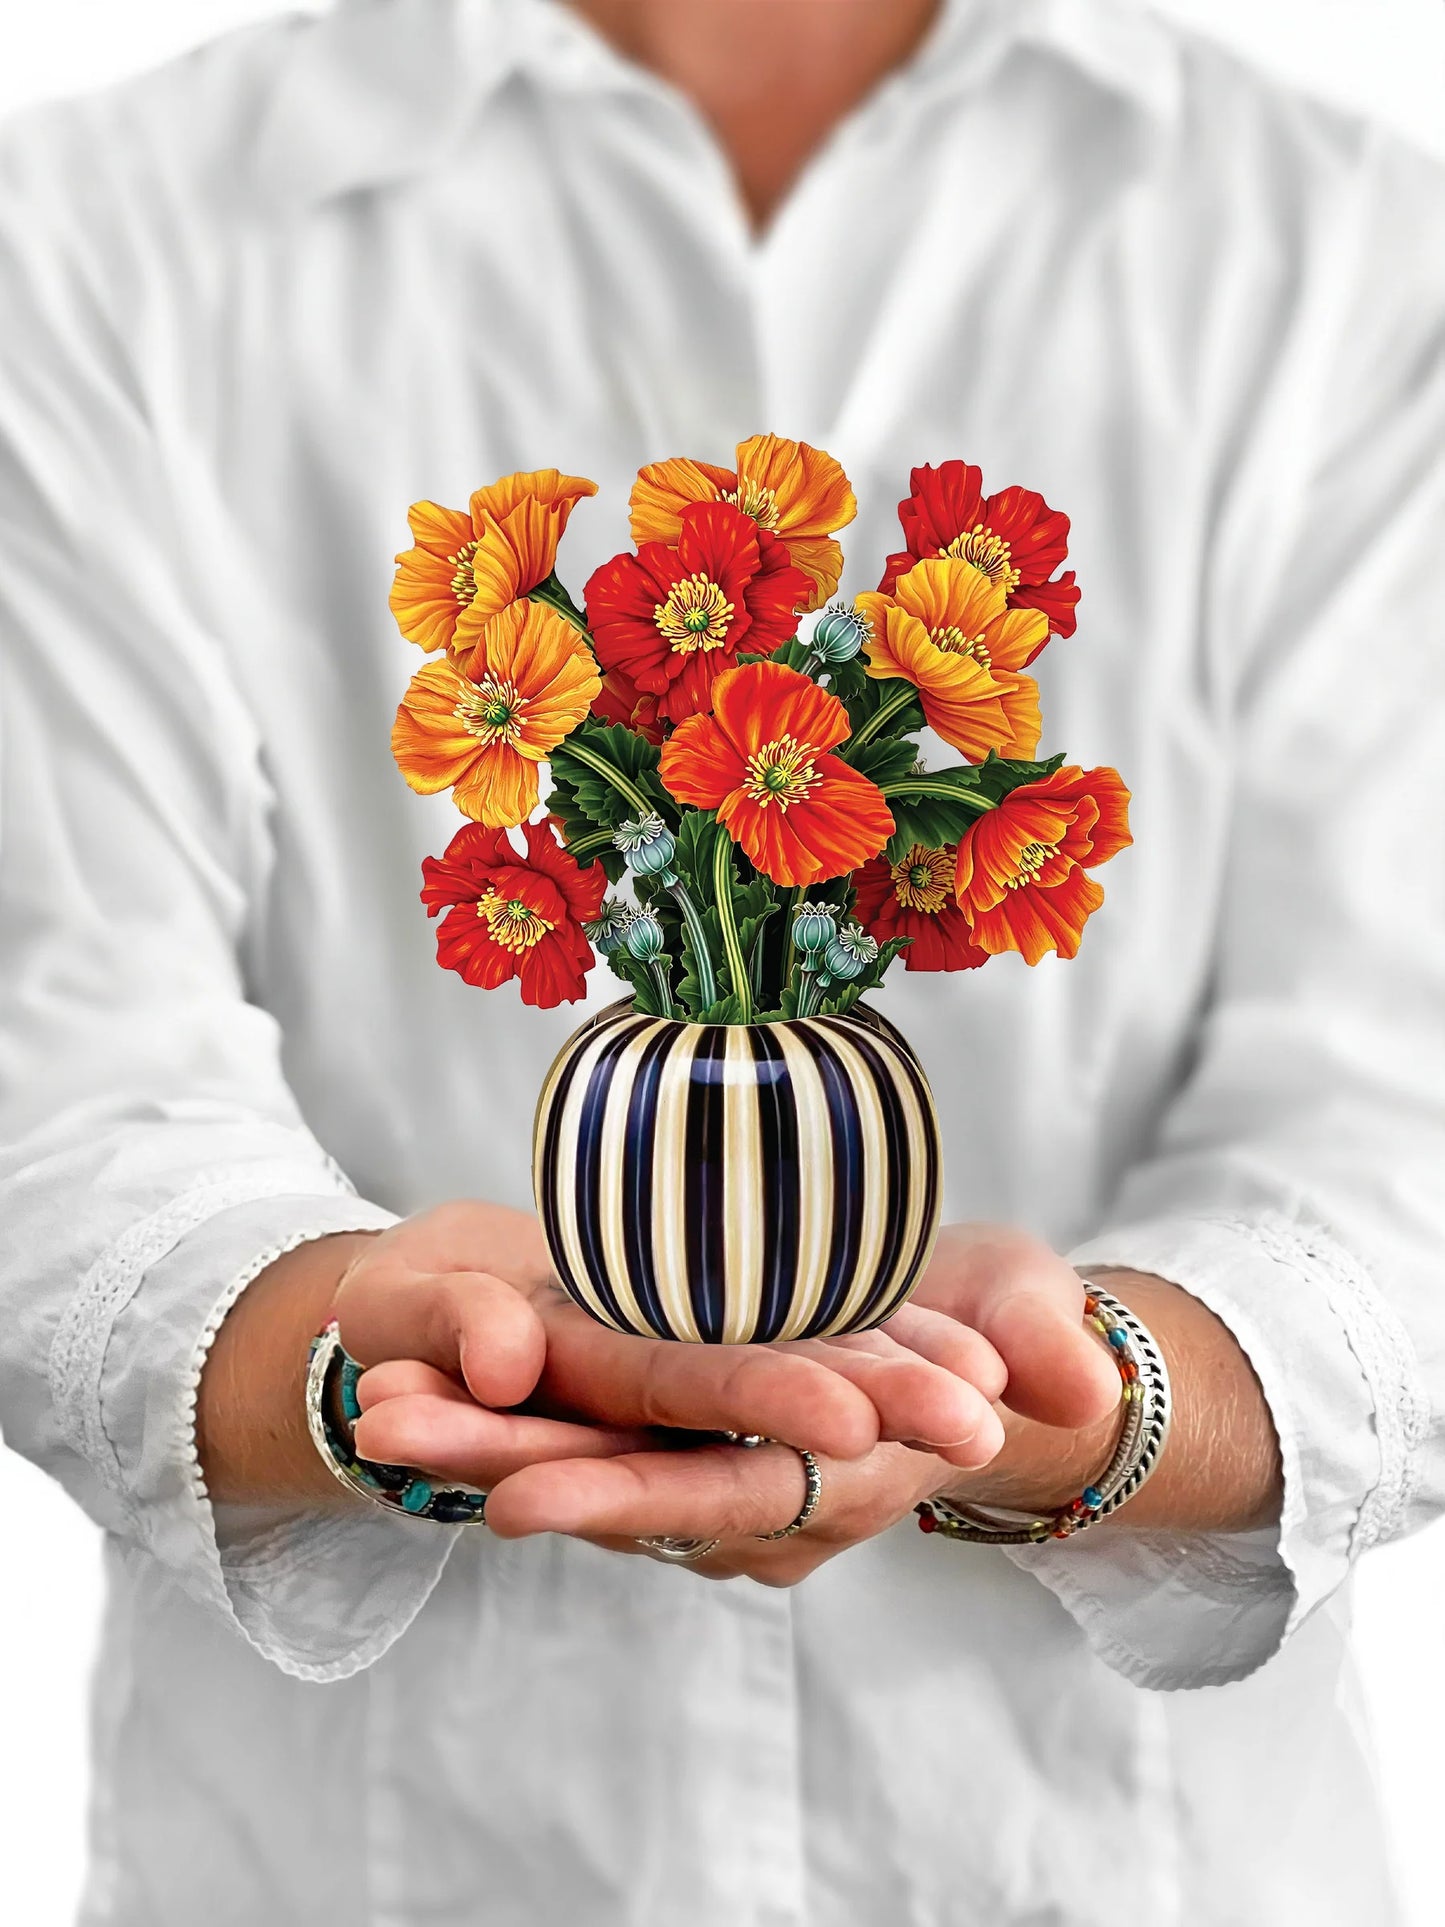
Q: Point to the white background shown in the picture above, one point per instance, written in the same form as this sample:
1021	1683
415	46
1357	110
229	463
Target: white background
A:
1384	56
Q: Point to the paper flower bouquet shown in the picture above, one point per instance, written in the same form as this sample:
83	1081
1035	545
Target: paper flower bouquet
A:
741	824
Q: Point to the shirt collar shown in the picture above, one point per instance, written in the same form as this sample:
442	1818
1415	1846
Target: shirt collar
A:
377	91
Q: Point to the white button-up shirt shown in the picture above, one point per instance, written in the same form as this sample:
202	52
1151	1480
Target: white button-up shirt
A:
252	307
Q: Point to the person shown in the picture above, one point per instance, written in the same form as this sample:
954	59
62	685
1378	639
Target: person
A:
256	303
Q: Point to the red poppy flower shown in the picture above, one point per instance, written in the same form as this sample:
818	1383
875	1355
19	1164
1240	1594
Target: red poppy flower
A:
1020	878
1014	537
799	493
514	915
914	898
761	761
672	618
621	701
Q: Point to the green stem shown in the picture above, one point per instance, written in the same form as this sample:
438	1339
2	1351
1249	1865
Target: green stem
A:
790	949
592	844
913	789
883	714
554	596
664	988
722	883
604	769
810	993
755	961
706	978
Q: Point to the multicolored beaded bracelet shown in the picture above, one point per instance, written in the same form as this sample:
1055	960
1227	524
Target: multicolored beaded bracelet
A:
332	1409
1147	1409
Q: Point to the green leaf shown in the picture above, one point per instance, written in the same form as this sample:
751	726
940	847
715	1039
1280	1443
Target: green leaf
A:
587	845
847	680
998	775
727	1010
877	970
840	1001
605	773
637	979
793	654
935	807
696	835
880	709
885	759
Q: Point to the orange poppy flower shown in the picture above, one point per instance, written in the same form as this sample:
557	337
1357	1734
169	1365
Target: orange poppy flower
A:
670	619
465	568
797	492
968	707
1014	537
511	915
761	761
1020	878
482	732
914	898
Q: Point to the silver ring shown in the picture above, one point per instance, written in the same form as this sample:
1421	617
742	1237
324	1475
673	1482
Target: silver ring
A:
811	1497
680	1551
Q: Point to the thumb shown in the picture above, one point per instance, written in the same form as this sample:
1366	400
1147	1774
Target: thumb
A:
1028	1302
468	1324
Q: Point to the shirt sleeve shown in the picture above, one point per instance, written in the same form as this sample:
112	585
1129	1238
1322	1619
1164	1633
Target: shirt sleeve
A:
152	1159
1297	1184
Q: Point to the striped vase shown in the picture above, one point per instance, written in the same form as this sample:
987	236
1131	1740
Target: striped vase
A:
731	1183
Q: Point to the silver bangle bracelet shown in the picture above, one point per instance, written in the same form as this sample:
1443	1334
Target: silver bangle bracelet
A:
332	1409
1147	1408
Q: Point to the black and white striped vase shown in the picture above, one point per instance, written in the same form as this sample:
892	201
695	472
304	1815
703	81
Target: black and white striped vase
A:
727	1184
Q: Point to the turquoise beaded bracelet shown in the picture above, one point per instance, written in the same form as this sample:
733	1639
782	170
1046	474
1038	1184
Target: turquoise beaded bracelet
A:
332	1409
1146	1402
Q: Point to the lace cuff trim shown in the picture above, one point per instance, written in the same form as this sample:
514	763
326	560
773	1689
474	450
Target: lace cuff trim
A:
77	1356
1374	1332
1378	1338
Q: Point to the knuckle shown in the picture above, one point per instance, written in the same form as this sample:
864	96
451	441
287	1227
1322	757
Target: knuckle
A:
654	1389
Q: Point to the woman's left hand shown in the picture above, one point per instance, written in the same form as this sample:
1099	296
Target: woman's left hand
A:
679	1489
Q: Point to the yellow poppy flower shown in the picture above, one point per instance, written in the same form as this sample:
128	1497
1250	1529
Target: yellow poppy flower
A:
467	567
949	630
480	729
797	492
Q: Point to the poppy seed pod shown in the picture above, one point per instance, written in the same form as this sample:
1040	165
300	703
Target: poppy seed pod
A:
813	929
647	846
840	635
849	954
609	932
644	938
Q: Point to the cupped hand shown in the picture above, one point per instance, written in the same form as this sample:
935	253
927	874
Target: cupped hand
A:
1028	1304
998	1316
717	1491
467	1290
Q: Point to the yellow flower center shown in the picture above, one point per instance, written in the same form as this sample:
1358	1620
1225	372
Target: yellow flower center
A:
491	710
781	772
958	644
695	615
755	500
512	923
923	880
1032	858
988	552
464	582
